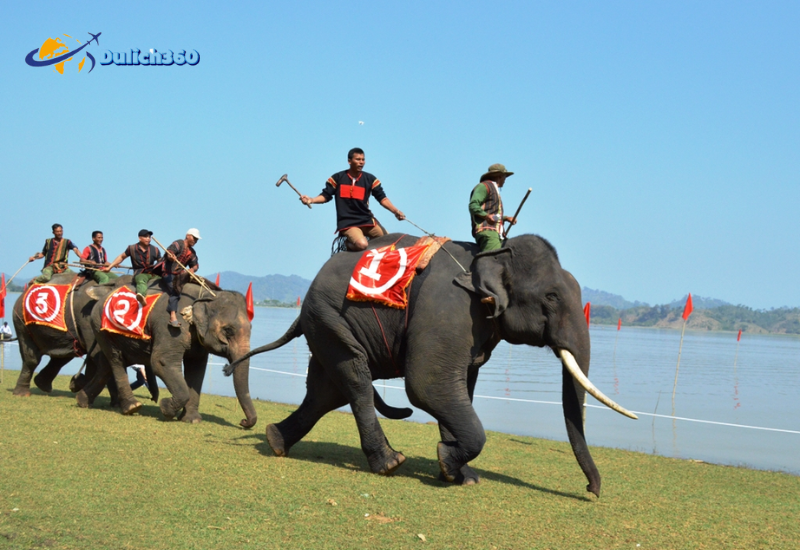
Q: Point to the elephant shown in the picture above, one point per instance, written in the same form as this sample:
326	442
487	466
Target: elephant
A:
518	293
61	346
213	324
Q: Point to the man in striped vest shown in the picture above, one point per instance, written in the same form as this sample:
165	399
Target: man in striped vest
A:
175	276
486	209
145	260
94	257
55	254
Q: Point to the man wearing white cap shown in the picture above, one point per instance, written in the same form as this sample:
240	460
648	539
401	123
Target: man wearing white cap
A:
174	275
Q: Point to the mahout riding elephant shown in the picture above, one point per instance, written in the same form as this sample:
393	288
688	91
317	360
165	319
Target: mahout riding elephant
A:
519	293
37	340
212	324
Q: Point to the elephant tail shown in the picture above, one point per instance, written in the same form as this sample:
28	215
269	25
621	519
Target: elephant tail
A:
388	411
294	332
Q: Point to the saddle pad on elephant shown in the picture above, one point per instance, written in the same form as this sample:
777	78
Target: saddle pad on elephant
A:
45	305
436	243
122	313
382	275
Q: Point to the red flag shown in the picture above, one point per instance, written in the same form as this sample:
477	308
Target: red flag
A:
217	281
587	312
248	298
298	301
3	297
619	323
739	336
687	309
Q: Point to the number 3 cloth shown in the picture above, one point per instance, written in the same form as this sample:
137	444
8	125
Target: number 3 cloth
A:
383	274
45	305
122	313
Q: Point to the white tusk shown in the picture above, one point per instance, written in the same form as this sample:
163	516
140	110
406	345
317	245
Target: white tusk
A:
572	366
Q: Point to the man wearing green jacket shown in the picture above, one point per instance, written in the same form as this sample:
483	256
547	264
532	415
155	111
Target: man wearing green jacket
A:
486	209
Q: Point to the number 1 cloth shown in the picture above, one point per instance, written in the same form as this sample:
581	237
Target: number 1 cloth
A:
383	274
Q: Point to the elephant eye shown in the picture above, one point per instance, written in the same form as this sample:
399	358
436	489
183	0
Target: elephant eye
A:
552	296
229	331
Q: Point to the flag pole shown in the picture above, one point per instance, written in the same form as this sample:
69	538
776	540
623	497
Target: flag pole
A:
736	356
677	367
687	310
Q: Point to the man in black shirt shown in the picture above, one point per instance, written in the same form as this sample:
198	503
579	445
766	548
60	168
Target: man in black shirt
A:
55	254
351	189
145	260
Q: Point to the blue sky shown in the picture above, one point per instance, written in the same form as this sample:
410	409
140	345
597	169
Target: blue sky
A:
661	139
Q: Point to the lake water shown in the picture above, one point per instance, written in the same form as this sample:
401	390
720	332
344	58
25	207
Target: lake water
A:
747	414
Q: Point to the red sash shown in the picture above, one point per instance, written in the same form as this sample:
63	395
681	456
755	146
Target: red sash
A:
45	305
383	274
122	313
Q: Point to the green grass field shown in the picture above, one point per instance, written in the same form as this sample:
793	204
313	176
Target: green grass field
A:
75	478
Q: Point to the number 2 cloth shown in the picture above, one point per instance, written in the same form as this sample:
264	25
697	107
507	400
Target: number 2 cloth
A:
45	305
122	313
383	274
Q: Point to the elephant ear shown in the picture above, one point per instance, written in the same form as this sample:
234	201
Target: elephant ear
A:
489	270
199	316
99	292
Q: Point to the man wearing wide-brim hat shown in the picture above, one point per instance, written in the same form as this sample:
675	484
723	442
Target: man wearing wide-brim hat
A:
486	209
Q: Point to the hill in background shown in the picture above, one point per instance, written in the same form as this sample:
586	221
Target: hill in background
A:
269	287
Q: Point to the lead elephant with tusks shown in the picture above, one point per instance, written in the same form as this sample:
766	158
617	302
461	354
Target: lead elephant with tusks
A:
519	293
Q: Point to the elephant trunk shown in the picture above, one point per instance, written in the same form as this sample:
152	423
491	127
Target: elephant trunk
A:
572	400
241	384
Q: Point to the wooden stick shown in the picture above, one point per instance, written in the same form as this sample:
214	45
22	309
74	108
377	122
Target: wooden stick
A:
200	281
517	213
90	268
8	282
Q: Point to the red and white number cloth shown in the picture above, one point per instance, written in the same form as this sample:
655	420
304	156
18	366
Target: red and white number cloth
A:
122	313
45	305
383	274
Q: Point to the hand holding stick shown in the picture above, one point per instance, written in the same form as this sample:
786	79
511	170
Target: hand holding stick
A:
199	281
517	213
284	178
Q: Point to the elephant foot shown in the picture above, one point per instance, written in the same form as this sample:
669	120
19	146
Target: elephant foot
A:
275	440
45	385
466	476
452	469
131	407
166	408
22	392
386	465
192	417
77	382
82	399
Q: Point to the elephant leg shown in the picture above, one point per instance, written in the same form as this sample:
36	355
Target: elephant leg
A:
466	476
168	367
194	372
127	401
448	400
346	362
31	357
44	380
98	374
322	396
